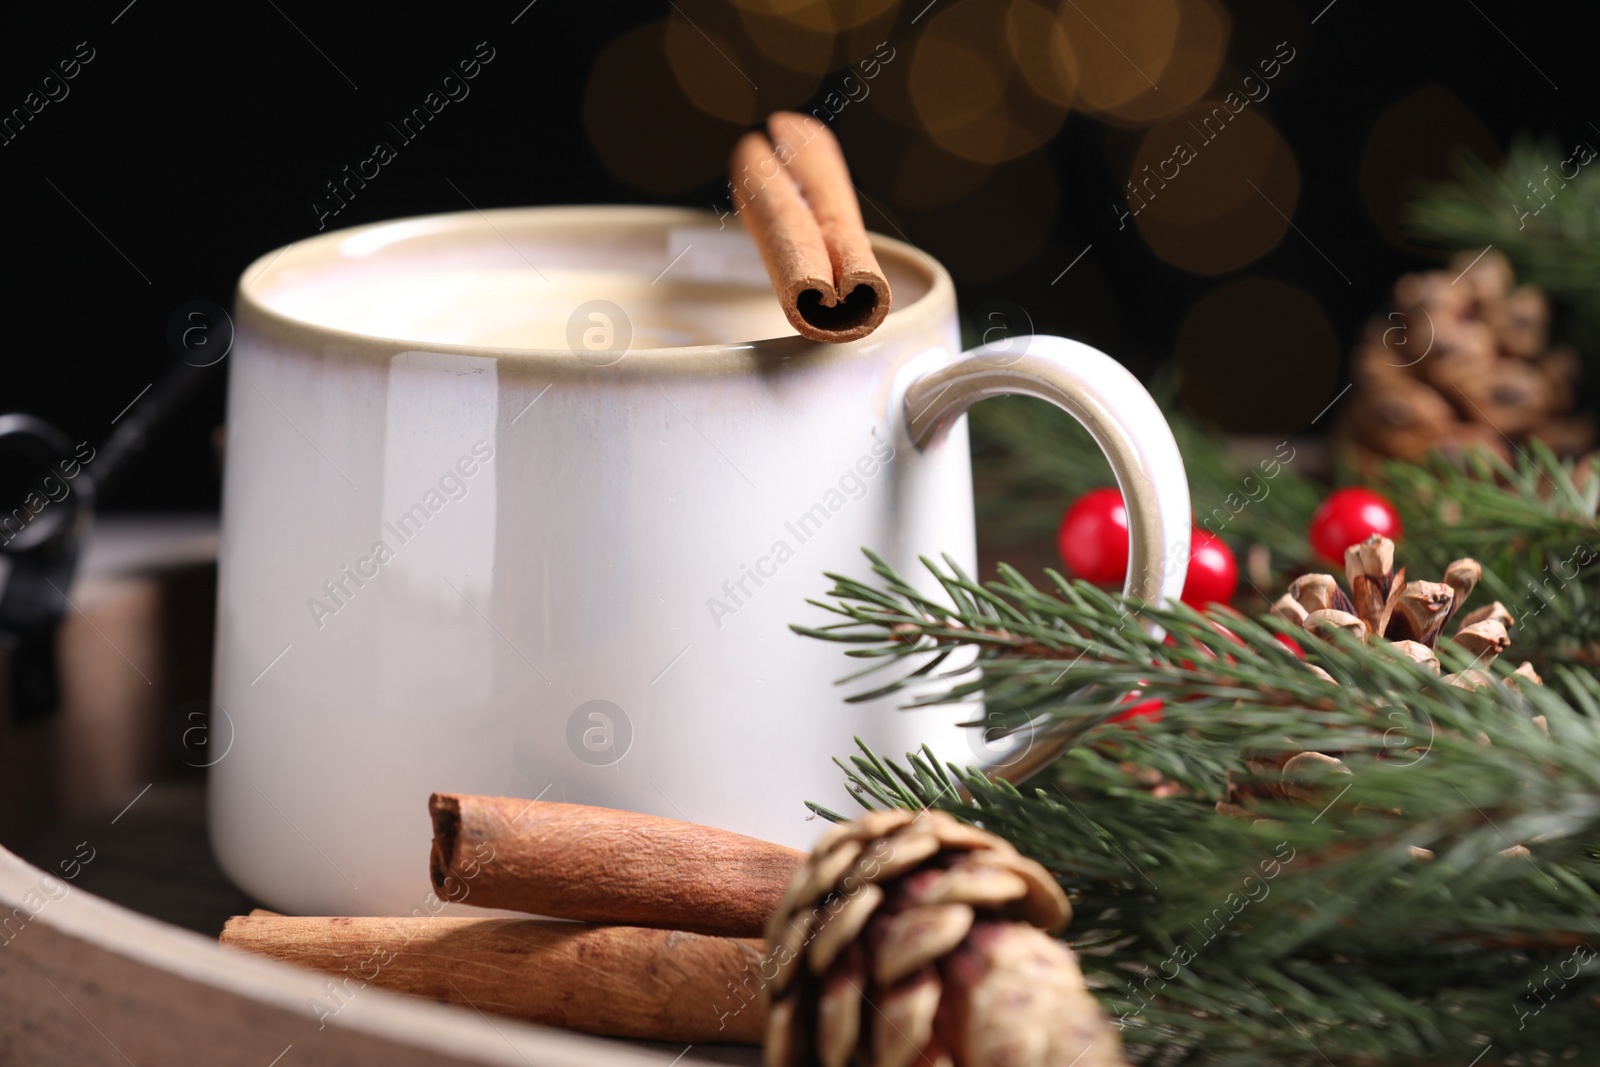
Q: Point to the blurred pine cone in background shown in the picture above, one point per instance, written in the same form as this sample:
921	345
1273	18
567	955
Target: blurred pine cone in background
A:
1461	361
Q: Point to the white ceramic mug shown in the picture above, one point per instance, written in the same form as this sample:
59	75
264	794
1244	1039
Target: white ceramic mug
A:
455	563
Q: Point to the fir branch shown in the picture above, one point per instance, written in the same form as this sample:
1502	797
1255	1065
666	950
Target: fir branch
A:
1309	934
1533	523
1542	209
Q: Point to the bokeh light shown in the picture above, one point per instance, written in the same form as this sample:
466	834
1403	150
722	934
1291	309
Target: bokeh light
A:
801	37
1412	143
914	172
1122	48
1213	189
1042	51
710	69
1257	356
642	125
967	91
1202	44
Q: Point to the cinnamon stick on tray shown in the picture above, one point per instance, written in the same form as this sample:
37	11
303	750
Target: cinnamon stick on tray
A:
599	865
797	201
619	981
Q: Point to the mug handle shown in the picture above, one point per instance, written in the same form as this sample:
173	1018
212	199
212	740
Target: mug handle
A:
1124	421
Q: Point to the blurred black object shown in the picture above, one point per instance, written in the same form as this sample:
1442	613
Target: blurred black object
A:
48	486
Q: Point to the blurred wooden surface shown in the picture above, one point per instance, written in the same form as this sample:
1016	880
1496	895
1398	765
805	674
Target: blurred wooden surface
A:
155	858
134	651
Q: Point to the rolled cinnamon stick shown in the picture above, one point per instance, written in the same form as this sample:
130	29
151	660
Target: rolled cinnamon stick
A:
797	201
599	865
617	981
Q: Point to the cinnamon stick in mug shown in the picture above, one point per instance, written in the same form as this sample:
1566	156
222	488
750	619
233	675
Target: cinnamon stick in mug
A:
600	865
618	981
798	203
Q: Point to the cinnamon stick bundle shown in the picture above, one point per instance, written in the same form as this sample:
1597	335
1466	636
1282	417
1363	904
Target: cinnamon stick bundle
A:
599	865
618	981
797	201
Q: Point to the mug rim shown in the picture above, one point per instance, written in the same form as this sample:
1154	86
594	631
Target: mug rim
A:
251	309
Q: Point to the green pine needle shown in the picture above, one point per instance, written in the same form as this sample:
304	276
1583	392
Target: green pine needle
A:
1314	931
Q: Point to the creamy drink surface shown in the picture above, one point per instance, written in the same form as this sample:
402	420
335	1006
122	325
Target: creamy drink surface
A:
527	308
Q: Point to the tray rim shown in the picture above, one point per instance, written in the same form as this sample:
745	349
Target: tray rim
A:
167	956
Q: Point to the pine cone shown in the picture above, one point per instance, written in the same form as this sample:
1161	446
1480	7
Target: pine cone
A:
1462	362
916	939
1408	617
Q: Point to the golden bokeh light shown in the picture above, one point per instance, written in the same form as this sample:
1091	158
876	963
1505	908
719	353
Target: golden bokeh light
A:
1042	51
815	36
643	126
851	13
841	14
1212	188
954	88
1413	143
1122	48
1202	44
719	65
967	91
1257	356
858	41
801	39
914	172
709	68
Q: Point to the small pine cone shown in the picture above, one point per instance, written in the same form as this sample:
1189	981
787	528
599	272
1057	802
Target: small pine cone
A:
1485	640
1369	568
1462	576
1325	623
1289	610
1496	611
1320	592
1562	367
1511	397
914	940
1421	653
1305	774
1471	678
1421	612
1463	356
1567	437
1487	276
1521	322
1526	675
1432	291
1403	418
1300	776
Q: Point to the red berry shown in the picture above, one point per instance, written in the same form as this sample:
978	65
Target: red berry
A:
1213	574
1291	644
1093	540
1348	517
1142	709
1093	537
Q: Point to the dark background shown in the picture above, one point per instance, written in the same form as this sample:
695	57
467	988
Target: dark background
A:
199	134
